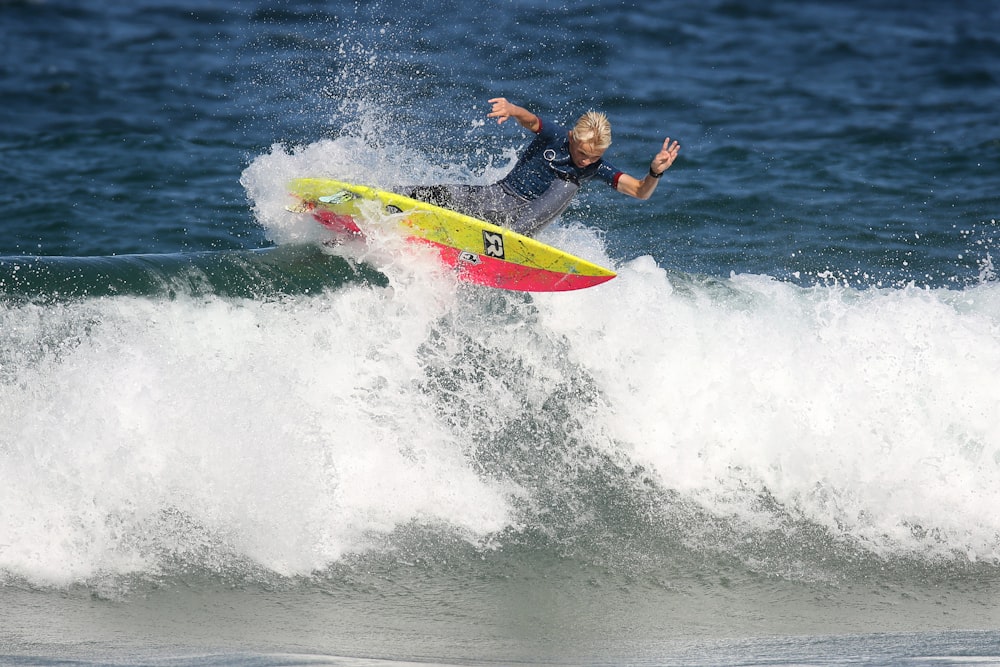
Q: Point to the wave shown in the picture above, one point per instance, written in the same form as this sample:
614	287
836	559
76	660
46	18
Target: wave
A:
644	426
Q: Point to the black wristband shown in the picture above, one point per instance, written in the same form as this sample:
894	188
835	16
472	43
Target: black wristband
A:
653	173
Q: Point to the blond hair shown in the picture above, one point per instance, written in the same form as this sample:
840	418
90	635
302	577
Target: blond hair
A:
593	128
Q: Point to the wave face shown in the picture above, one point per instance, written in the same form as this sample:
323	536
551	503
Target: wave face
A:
804	433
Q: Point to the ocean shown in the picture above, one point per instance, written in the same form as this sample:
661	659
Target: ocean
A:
771	440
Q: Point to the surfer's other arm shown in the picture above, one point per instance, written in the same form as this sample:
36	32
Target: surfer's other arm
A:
502	110
643	188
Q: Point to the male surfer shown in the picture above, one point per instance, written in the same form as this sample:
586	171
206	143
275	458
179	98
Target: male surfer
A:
547	174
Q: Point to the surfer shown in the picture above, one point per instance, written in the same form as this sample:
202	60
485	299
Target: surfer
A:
547	174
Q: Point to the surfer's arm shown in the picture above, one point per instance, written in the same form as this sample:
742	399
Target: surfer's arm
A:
502	110
643	188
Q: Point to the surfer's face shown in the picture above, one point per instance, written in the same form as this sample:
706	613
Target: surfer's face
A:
583	154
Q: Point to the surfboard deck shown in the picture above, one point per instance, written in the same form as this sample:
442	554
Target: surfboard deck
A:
478	251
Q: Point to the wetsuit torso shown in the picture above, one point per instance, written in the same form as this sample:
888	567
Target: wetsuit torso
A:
547	158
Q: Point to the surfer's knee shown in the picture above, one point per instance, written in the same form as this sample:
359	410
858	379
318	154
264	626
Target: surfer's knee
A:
438	195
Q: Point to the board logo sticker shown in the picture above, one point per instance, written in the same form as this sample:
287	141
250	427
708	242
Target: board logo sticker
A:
337	197
469	257
493	244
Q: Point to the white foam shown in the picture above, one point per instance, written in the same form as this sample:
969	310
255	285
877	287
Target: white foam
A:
291	432
348	159
287	433
872	413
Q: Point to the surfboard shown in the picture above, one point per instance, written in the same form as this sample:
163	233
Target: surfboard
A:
478	251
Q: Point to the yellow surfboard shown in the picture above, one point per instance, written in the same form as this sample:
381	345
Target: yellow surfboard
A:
480	252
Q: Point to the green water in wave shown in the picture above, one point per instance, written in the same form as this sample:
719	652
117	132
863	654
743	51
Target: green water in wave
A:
242	274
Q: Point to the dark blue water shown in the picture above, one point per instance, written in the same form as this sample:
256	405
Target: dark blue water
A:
770	440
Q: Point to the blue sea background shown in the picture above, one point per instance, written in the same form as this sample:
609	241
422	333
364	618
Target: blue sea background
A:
772	439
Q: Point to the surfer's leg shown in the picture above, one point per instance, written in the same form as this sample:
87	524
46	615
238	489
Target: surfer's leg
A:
438	195
487	202
546	208
499	206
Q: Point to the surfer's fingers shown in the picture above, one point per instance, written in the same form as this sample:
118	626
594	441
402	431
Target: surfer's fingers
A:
500	109
499	104
670	150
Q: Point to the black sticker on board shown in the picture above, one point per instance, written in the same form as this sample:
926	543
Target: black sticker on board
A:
492	244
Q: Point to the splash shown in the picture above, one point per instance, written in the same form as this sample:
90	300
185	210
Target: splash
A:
146	435
866	412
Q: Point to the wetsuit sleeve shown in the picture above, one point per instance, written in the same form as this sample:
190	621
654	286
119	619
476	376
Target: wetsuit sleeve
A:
608	173
546	130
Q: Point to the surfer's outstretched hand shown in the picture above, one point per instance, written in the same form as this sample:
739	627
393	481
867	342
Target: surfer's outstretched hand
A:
503	109
666	156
